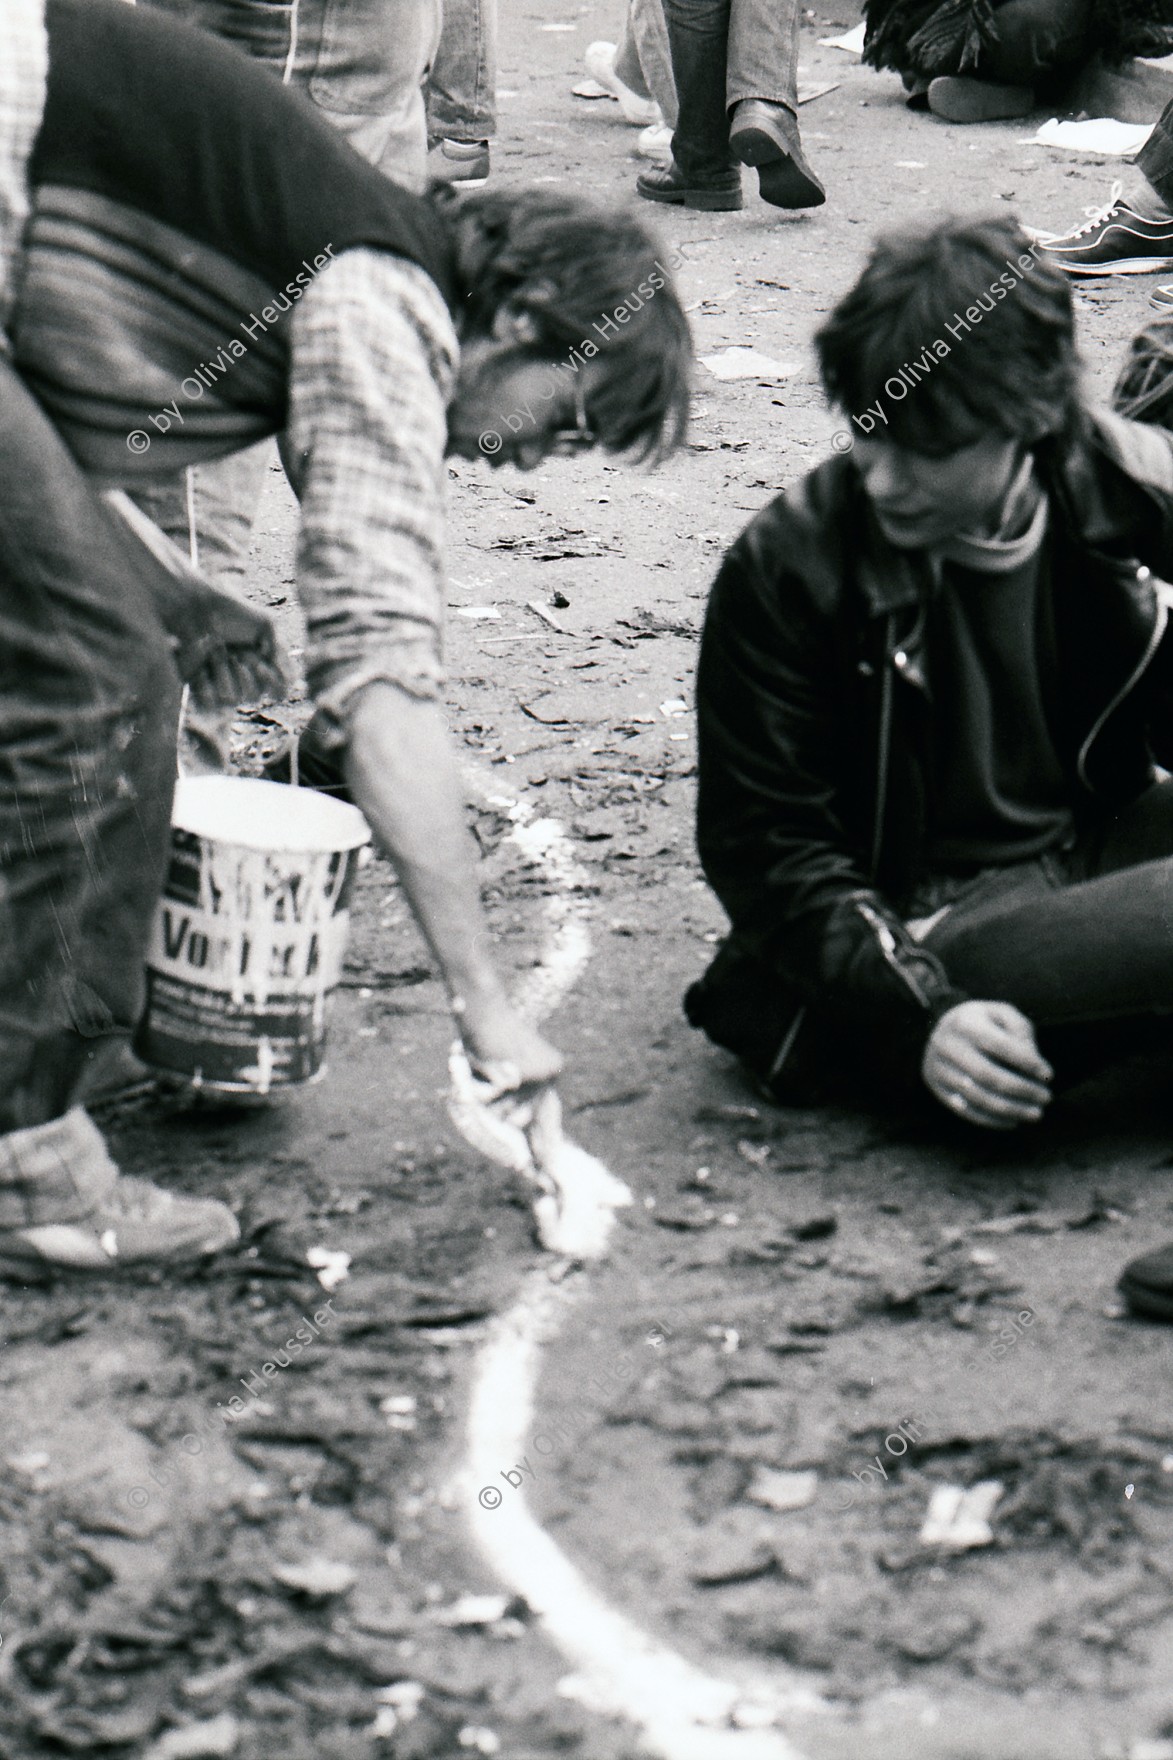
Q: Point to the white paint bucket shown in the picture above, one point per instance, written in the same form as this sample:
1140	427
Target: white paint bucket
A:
250	933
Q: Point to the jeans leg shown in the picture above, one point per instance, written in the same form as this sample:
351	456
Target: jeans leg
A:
210	511
1155	158
650	34
698	35
89	703
461	89
1093	948
763	52
627	61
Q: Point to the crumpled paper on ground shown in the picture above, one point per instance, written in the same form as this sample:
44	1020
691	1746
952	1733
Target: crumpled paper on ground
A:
578	1196
1100	134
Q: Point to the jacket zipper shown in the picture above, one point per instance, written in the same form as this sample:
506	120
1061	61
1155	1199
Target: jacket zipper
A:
887	940
1130	683
885	743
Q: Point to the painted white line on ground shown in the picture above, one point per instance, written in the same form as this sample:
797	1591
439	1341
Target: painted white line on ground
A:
684	1713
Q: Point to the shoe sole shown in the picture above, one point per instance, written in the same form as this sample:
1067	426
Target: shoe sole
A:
973	101
712	201
1122	266
1147	1304
1162	300
781	180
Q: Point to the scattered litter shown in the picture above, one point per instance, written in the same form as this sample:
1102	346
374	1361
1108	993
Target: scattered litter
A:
319	1577
539	610
672	707
1101	134
406	1696
478	612
198	1741
475	1610
1128	1490
960	1519
485	1741
747	363
782	1491
590	88
808	93
910	165
30	1464
851	41
557	27
332	1266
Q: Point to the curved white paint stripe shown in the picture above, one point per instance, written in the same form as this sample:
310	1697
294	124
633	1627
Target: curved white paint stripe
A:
683	1712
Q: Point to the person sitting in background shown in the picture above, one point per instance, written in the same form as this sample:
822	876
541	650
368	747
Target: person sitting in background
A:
982	60
934	680
191	259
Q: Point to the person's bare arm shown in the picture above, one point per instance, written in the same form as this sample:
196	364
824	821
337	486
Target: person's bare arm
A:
400	769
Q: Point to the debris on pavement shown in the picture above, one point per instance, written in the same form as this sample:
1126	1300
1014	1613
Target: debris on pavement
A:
959	1518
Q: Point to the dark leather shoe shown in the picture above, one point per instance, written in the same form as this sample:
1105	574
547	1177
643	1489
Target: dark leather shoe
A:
1147	1284
766	136
669	184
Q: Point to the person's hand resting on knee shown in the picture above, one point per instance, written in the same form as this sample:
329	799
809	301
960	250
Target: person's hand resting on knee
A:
982	1062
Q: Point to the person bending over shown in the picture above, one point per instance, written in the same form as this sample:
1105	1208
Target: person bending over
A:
934	683
192	259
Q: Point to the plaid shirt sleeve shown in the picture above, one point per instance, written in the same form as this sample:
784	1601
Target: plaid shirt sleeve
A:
374	358
24	65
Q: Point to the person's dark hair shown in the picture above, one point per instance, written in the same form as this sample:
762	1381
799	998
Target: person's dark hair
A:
1144	390
570	266
901	338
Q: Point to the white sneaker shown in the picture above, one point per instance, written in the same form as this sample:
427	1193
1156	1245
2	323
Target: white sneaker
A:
600	64
136	1224
655	142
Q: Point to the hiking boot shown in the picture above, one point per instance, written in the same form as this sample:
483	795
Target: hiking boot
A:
600	64
1147	1284
1113	240
957	99
766	136
135	1224
462	162
669	184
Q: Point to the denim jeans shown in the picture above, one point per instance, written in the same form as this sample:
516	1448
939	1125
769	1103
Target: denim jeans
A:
1155	158
461	93
89	702
724	51
361	61
643	59
1080	940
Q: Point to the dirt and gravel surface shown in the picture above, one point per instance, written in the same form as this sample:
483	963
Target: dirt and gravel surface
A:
789	1289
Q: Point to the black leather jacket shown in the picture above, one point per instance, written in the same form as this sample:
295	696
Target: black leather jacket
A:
812	716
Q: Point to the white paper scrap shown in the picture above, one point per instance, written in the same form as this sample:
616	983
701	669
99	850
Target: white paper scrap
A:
851	41
960	1518
747	363
1102	134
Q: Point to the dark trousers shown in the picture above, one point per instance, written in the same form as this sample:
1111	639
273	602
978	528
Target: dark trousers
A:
1039	43
724	51
1080	940
89	702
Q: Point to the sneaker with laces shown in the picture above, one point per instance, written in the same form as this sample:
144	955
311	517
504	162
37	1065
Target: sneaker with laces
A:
133	1225
1113	240
462	162
655	142
600	64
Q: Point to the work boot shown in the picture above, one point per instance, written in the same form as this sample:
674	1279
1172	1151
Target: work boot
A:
766	136
669	184
65	1206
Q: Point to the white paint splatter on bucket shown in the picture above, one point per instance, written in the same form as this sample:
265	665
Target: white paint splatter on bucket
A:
250	933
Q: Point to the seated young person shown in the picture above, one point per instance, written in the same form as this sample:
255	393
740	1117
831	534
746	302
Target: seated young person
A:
934	682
